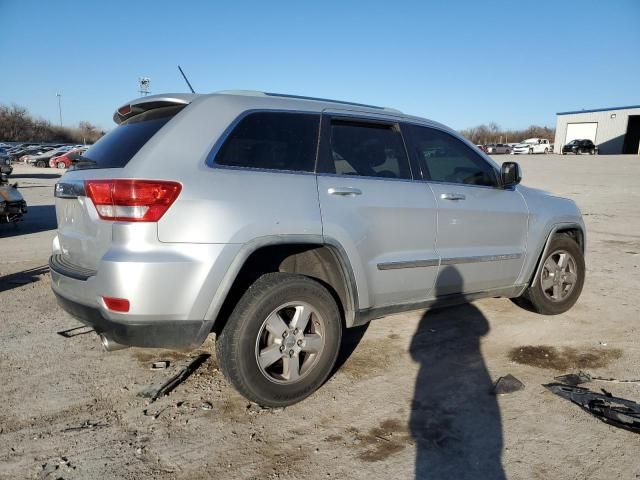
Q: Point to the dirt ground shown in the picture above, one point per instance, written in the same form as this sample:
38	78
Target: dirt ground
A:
410	401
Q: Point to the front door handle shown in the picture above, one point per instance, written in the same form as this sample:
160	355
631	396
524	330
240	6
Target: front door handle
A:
452	196
345	191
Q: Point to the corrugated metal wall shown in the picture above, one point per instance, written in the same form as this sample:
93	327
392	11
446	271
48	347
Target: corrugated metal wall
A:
610	133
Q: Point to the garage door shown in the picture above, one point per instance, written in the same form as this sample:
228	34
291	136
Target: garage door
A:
581	131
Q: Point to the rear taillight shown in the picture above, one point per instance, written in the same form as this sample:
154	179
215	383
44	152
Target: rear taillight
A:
132	200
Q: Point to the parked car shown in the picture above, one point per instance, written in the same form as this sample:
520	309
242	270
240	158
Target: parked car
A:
533	145
498	148
67	159
579	147
5	163
17	153
482	147
285	222
42	160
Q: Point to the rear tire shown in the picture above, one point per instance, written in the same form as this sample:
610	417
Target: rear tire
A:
262	353
560	280
40	164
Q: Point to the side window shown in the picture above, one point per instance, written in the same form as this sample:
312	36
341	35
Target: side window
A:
365	149
444	158
272	140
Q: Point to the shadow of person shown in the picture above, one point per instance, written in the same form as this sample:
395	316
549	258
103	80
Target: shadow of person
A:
455	420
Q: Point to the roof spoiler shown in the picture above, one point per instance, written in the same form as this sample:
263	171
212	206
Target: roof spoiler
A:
143	104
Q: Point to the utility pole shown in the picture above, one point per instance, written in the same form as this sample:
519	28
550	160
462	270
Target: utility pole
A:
59	95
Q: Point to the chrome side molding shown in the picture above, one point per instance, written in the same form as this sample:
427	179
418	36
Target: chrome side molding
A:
409	264
481	258
448	261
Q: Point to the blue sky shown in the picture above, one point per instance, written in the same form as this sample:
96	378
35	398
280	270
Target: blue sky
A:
459	62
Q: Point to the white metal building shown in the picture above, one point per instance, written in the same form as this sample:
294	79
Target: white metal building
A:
614	130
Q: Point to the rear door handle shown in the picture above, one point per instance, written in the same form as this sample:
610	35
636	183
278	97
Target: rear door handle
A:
452	196
344	191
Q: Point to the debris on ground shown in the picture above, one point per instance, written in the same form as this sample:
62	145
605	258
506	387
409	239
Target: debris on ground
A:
189	366
584	377
615	411
160	365
206	406
53	468
507	384
74	332
155	416
574	379
86	425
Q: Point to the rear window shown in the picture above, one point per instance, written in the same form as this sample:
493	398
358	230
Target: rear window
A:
272	141
116	148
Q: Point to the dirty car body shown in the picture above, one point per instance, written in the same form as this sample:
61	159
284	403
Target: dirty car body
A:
170	218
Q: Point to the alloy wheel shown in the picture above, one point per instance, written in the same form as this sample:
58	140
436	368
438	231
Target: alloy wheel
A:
559	275
290	342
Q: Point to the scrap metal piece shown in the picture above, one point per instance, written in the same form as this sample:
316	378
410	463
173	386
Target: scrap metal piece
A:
160	365
73	332
615	411
86	425
159	390
507	384
574	379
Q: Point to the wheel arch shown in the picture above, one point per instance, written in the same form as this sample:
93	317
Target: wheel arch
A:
574	230
308	255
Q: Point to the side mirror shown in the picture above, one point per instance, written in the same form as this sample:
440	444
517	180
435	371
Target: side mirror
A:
510	174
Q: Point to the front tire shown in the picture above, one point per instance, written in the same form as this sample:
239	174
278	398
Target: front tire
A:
560	280
61	165
281	341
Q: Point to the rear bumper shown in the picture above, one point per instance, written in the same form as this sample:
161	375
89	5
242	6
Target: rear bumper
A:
176	334
167	307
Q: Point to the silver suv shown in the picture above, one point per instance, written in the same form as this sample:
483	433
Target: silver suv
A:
277	221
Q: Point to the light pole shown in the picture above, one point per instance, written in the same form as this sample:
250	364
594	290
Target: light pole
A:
59	95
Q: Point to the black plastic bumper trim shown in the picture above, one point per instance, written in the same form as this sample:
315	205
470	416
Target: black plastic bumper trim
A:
174	334
61	265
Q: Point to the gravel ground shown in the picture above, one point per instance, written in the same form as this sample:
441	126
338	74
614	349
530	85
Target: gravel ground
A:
410	401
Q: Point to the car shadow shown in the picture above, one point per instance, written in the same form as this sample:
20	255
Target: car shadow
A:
351	338
39	218
455	419
18	279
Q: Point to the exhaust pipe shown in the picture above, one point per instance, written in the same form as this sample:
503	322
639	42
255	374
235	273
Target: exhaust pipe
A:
109	345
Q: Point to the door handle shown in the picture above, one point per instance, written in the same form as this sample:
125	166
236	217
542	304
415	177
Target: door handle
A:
344	191
452	196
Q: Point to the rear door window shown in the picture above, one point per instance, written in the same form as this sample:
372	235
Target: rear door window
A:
272	141
444	158
365	149
118	147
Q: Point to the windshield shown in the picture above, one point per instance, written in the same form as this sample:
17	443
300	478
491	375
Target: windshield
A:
116	148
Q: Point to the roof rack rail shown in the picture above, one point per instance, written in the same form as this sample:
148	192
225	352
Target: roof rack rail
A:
302	97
